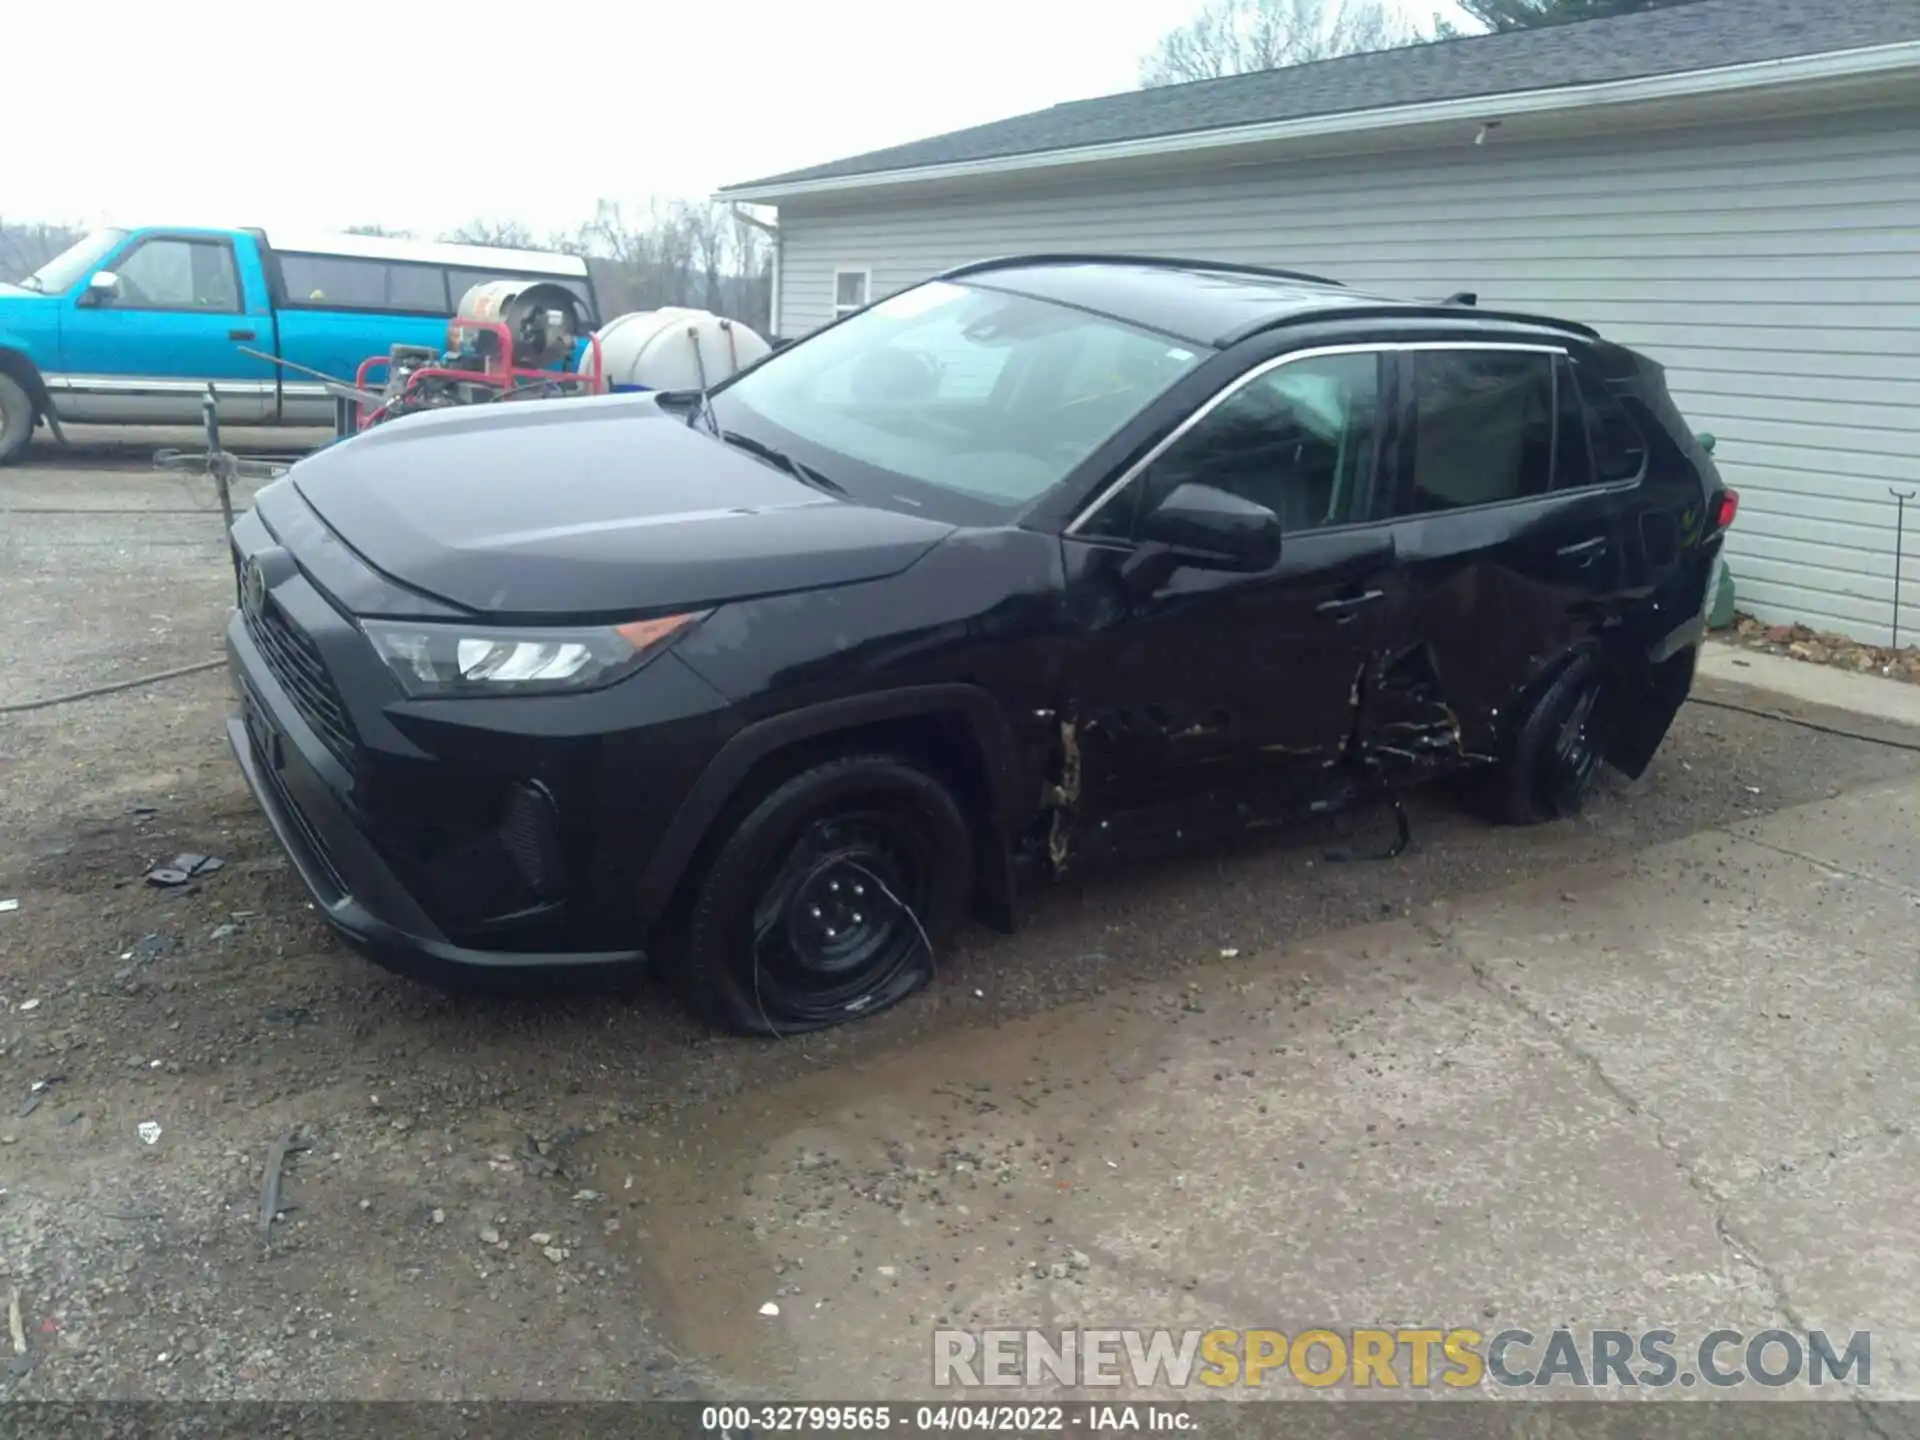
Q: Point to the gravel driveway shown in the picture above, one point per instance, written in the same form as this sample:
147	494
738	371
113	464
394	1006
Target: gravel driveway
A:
455	1224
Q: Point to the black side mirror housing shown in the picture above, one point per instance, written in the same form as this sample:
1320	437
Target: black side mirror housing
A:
1203	528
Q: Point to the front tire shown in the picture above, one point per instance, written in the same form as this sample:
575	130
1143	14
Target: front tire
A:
1556	757
827	900
17	415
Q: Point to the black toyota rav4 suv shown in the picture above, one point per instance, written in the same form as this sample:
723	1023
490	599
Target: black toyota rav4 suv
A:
1045	558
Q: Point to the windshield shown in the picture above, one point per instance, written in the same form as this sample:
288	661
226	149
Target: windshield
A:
945	392
65	269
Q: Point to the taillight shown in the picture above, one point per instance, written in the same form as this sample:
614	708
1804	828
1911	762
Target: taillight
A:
1729	507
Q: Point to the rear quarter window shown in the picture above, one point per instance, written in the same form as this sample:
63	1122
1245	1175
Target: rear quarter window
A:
348	282
1619	449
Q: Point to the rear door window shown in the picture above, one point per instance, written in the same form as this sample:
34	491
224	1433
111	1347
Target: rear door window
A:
1572	453
1482	427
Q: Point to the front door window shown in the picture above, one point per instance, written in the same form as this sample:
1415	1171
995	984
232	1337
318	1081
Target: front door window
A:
178	275
1301	439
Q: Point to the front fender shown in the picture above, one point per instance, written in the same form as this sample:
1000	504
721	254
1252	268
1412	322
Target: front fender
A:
718	783
19	361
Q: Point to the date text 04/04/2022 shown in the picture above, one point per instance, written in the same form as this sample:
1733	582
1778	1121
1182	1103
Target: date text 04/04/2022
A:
744	1420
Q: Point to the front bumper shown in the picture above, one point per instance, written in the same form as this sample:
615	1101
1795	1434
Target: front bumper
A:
354	888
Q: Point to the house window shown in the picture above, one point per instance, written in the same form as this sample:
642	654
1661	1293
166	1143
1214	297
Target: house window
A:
850	291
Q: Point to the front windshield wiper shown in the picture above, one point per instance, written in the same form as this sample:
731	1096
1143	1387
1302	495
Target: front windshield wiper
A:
799	469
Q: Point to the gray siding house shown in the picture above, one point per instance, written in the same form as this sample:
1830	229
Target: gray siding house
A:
1732	186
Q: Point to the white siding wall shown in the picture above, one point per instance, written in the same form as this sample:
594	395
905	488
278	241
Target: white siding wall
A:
1774	269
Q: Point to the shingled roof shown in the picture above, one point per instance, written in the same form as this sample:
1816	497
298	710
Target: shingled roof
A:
1701	35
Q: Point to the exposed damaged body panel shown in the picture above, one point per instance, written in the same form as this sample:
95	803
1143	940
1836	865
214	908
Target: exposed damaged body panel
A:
1479	516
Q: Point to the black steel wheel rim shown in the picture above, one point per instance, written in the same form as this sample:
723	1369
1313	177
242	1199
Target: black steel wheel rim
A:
1577	747
836	925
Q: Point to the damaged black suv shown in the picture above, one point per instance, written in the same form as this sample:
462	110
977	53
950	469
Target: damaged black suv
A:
1046	557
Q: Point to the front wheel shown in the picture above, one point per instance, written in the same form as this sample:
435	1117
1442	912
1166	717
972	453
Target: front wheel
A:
826	901
1556	757
16	419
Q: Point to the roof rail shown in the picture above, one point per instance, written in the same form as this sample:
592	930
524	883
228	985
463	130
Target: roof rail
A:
1163	262
1409	309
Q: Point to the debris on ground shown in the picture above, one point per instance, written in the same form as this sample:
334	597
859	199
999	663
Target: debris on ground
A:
8	905
1819	647
151	947
271	1203
33	1004
149	1131
36	1093
14	1325
769	1308
182	869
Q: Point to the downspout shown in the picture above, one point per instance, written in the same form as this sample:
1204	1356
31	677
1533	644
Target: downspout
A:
771	230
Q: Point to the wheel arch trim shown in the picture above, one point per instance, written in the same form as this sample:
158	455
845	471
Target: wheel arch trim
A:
18	366
694	819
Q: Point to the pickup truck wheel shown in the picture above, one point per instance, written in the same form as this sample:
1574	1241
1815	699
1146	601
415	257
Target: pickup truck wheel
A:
827	900
1556	758
16	418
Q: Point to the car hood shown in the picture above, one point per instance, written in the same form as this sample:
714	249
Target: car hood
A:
591	507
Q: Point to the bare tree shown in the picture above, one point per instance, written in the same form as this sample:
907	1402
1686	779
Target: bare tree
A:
508	234
24	248
1236	37
1527	14
380	230
676	254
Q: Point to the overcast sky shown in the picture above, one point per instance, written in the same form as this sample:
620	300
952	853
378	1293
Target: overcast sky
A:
318	116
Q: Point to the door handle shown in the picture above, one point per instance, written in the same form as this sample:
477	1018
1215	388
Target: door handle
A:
1345	605
1590	549
240	334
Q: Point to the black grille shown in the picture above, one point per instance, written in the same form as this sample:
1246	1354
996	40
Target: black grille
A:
295	662
315	846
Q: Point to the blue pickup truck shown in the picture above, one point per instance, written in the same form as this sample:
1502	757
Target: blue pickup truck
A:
129	326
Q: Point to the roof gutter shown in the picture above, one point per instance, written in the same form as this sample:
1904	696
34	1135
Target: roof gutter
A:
1862	63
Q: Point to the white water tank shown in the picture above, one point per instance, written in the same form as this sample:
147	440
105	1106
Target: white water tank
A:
674	349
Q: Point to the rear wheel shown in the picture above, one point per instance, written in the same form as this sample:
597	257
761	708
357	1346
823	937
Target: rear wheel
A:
1556	758
16	418
826	900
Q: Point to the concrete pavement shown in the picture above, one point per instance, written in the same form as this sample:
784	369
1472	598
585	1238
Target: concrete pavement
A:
1781	675
1675	1090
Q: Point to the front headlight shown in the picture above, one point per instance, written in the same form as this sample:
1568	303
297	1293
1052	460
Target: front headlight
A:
515	660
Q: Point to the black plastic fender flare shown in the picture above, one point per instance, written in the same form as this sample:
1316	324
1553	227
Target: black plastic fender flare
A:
18	366
694	819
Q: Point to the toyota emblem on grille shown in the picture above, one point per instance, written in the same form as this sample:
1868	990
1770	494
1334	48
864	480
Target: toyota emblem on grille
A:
253	585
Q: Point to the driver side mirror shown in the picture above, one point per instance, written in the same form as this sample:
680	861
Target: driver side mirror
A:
1210	529
102	288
